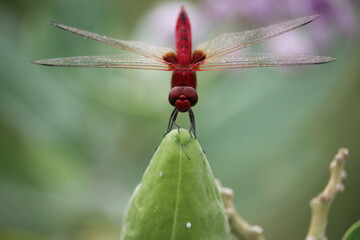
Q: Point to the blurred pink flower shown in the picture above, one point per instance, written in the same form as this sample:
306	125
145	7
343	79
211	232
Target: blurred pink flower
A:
337	16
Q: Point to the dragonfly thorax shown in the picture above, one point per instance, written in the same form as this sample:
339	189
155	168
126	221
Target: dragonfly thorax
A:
183	97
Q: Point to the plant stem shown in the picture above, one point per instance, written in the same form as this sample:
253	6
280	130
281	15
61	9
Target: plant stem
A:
239	227
320	205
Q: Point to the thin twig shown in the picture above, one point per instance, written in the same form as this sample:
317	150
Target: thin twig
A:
320	205
239	227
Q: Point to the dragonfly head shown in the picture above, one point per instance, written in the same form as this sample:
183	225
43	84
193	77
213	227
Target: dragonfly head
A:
183	97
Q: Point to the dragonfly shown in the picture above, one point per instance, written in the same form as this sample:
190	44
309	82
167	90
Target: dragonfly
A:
220	53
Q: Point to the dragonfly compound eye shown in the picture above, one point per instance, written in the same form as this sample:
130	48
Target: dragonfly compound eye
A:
174	94
191	95
183	97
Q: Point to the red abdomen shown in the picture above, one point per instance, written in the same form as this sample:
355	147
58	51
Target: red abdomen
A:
183	38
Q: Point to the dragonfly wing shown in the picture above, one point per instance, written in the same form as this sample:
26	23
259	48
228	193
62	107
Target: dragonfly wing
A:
142	48
258	59
125	60
230	42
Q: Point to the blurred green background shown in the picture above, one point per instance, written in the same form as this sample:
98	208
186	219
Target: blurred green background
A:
74	143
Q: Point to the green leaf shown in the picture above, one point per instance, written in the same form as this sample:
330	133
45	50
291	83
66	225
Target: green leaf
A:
353	233
177	197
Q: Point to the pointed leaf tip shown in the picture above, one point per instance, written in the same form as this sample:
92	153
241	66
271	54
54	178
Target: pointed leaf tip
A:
181	135
177	197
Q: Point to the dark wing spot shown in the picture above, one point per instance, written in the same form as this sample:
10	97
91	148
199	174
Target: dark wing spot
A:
170	58
198	56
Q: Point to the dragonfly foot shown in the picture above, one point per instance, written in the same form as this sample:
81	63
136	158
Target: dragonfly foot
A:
192	130
172	122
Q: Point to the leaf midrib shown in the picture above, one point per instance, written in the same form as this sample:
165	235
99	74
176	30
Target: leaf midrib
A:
177	196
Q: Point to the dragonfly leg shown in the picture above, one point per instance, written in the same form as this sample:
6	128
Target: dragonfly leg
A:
192	121
172	120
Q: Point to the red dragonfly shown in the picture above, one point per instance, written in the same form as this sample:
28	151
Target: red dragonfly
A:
221	52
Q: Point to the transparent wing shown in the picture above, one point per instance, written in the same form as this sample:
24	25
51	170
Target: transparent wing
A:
124	60
249	60
229	42
141	48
